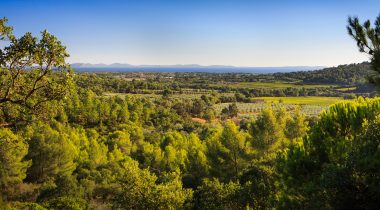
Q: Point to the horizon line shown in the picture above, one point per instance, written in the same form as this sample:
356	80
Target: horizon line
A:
200	65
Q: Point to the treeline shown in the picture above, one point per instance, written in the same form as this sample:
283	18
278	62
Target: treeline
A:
108	84
111	152
351	74
344	76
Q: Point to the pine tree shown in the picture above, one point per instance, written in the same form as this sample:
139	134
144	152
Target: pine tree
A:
367	39
228	151
12	164
51	152
267	133
296	126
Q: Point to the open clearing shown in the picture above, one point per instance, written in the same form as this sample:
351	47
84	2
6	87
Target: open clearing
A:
270	85
299	100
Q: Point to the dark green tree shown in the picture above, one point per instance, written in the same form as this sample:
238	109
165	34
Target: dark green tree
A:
52	153
12	165
231	111
334	166
368	41
214	194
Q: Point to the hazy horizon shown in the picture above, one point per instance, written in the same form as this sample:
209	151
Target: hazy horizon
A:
193	64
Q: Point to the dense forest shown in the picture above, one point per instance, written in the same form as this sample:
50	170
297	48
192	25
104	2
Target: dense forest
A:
64	144
343	74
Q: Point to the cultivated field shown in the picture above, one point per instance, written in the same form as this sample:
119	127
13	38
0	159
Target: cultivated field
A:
252	109
310	105
275	85
302	100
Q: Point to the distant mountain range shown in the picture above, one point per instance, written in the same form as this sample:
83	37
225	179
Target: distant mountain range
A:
119	67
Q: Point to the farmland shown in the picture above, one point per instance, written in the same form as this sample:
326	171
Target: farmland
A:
309	105
312	91
277	85
301	100
247	110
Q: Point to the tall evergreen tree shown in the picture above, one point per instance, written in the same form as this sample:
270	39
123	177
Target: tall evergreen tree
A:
12	164
51	152
368	41
229	152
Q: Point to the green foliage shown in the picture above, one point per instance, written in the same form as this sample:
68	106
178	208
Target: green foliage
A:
64	186
228	151
216	195
140	190
70	203
197	166
321	171
33	71
81	162
367	39
28	205
268	131
121	140
51	151
230	111
13	167
296	126
259	190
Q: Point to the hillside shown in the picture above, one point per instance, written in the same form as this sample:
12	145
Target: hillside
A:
343	75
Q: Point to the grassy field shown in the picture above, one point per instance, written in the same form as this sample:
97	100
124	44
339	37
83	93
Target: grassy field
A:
252	109
275	85
305	100
346	89
310	105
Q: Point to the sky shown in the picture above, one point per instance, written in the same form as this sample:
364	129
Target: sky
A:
206	32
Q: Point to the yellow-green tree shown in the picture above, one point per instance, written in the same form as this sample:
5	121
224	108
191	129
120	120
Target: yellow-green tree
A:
12	164
32	71
51	152
267	131
228	151
296	126
140	190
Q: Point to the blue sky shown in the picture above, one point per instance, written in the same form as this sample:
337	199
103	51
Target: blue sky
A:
206	32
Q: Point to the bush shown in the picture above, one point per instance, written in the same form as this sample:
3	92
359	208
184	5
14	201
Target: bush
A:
67	203
27	205
349	96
